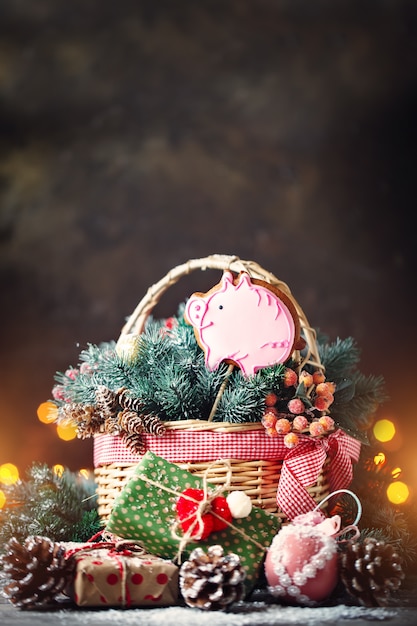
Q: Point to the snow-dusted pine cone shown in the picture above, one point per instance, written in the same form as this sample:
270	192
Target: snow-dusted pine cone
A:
107	402
370	571
36	571
211	581
133	441
126	401
86	418
153	425
130	421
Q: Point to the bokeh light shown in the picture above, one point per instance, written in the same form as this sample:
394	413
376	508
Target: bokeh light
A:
85	473
379	459
47	412
58	469
398	492
384	430
9	474
396	472
2	499
66	432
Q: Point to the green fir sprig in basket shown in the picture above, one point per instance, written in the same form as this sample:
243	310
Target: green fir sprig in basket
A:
164	378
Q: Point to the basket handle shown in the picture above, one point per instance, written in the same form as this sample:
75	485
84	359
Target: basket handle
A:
136	321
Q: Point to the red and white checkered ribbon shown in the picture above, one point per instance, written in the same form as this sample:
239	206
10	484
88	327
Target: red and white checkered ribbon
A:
301	465
181	446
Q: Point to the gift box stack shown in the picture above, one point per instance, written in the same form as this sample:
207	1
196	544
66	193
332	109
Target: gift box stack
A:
216	432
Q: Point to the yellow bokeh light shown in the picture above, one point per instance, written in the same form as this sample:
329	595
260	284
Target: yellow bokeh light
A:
379	459
398	492
384	430
66	432
9	474
2	499
396	472
47	412
84	473
58	469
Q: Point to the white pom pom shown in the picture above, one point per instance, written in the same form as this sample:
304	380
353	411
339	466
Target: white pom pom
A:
240	504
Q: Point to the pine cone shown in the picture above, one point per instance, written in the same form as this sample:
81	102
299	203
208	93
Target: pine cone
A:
370	571
130	421
134	442
37	570
126	401
107	402
86	418
153	425
211	581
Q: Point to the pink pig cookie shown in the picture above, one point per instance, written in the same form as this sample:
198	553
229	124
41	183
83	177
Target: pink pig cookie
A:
245	323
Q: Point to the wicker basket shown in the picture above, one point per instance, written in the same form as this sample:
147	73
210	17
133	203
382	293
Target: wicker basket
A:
257	477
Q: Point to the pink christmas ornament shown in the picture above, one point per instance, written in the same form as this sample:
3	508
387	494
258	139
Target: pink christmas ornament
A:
301	565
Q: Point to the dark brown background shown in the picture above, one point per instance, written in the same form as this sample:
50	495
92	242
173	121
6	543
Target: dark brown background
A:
138	134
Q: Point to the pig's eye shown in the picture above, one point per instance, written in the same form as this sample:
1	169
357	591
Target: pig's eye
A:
220	306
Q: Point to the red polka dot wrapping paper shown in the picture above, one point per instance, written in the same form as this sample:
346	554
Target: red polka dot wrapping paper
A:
104	578
144	512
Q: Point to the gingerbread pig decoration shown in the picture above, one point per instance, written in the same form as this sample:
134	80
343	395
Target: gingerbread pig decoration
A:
244	321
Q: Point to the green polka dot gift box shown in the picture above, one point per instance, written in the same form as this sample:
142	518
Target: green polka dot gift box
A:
145	511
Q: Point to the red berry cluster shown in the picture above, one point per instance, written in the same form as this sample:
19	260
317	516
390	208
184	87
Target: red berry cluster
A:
209	520
301	412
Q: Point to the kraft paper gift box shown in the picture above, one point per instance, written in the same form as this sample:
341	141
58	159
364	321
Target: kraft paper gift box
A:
144	512
122	578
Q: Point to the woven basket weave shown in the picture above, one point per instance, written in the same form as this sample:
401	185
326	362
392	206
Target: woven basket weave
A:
257	477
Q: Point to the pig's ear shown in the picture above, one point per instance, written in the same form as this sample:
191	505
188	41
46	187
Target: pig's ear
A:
227	280
244	279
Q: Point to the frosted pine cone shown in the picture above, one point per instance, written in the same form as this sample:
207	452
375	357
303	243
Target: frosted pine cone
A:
107	402
130	421
153	425
134	442
370	571
211	581
86	418
37	570
126	401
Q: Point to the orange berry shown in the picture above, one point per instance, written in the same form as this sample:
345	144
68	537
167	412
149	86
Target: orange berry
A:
322	402
271	399
316	429
327	422
290	377
300	422
296	406
283	426
325	388
271	432
269	420
318	377
291	440
306	378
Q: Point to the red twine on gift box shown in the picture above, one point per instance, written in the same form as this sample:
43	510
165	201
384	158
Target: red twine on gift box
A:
117	550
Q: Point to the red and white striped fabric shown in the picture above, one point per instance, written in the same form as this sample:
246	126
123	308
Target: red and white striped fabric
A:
301	465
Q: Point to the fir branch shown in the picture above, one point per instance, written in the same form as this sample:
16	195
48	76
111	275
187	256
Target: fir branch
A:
47	504
175	396
354	411
238	405
339	358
